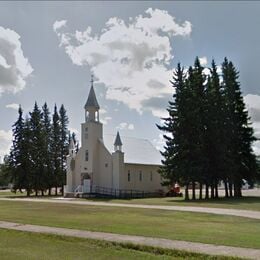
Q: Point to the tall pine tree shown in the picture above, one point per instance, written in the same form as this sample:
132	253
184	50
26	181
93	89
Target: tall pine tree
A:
46	122
37	150
55	149
176	154
242	161
64	143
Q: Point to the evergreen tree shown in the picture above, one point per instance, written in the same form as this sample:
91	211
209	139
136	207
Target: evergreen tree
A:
196	124
175	163
241	157
64	144
5	174
55	149
37	145
215	133
15	158
73	136
208	134
19	160
46	122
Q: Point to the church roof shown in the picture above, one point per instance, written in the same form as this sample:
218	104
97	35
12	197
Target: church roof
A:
92	100
136	151
118	141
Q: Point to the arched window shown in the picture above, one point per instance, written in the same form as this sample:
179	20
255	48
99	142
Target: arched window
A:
128	176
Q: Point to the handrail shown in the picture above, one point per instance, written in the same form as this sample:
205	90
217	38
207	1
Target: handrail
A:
79	189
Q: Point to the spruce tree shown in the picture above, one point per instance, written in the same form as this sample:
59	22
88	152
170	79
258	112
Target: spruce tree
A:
175	164
215	133
55	149
64	121
19	159
37	149
196	116
15	158
46	122
242	158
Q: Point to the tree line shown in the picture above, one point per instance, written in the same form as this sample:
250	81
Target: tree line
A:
37	159
208	132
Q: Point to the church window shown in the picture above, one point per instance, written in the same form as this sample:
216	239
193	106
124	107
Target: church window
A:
106	165
140	176
86	155
129	176
86	133
151	176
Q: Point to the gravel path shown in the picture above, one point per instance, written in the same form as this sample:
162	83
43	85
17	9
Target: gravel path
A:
140	240
220	211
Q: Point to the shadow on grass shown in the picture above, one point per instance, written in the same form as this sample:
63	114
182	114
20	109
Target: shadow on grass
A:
223	200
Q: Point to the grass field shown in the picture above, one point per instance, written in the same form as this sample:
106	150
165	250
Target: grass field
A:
248	203
196	227
23	245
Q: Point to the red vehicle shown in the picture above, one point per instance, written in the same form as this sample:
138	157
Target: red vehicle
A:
175	191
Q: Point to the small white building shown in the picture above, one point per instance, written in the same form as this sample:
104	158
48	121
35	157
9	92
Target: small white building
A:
110	163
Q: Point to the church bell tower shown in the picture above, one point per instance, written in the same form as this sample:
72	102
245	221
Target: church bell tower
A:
91	132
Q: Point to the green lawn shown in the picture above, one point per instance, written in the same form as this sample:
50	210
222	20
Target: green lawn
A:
23	245
10	194
249	203
197	227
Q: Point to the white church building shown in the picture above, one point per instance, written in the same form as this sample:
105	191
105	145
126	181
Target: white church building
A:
110	163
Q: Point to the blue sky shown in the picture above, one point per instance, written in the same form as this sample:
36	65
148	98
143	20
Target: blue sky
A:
48	51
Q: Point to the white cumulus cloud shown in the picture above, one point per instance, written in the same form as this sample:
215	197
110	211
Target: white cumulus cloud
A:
131	58
105	120
5	143
59	24
14	67
13	106
124	125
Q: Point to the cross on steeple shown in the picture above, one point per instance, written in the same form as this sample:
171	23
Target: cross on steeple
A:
91	106
92	80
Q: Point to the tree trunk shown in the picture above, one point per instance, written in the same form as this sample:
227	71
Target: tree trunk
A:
56	191
201	186
36	193
216	189
49	192
240	192
212	195
237	189
28	193
42	192
193	191
207	191
226	188
187	192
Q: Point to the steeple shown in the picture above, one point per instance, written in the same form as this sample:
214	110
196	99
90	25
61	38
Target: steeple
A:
118	143
92	106
71	147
